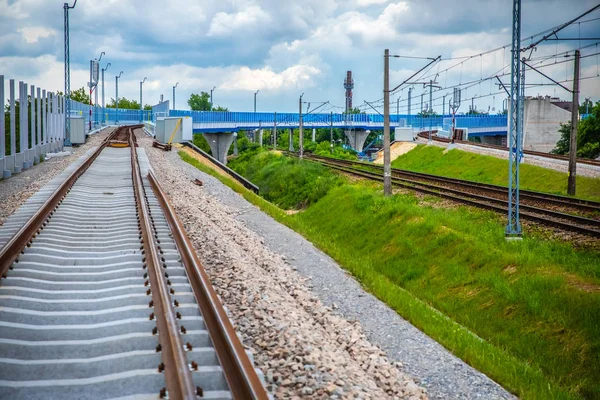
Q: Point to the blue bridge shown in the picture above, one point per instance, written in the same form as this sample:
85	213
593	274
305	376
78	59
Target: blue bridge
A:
219	127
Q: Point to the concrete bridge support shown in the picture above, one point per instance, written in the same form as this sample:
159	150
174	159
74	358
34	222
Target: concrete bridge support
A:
219	144
314	135
260	137
291	131
357	138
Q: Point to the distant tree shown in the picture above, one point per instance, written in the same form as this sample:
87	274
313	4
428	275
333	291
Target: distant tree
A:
354	110
80	95
199	102
124	104
147	107
219	108
503	112
427	113
588	135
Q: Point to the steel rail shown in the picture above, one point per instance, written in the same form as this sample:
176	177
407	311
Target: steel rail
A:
11	250
587	205
177	372
239	371
433	190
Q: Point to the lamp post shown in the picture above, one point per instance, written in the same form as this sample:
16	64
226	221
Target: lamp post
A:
117	97
211	101
94	88
141	97
255	93
177	84
66	8
103	111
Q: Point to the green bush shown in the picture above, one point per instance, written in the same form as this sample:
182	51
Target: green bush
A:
289	183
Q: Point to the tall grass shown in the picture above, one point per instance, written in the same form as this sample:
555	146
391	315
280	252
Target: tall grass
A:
289	183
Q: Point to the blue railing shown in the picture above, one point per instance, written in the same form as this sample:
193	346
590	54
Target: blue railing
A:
250	118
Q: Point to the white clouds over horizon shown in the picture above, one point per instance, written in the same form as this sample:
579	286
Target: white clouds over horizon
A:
279	48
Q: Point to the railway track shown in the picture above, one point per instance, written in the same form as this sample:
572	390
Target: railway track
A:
482	195
104	297
425	135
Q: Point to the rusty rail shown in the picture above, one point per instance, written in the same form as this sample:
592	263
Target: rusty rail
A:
239	371
177	373
11	250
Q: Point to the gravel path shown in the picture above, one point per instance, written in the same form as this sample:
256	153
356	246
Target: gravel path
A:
314	331
15	190
591	171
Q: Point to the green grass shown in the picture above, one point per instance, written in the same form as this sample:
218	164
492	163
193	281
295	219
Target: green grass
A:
525	313
288	182
479	168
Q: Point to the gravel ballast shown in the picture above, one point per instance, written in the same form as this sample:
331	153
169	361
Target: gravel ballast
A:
313	330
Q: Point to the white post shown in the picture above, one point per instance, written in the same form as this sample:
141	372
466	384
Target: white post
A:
39	116
13	134
2	130
32	143
44	117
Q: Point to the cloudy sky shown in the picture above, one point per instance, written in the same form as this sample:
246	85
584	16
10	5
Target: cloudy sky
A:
288	47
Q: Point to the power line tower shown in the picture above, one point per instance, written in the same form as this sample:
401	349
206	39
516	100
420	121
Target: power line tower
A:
66	8
513	228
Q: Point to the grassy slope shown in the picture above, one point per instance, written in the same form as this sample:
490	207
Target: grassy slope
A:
535	304
487	169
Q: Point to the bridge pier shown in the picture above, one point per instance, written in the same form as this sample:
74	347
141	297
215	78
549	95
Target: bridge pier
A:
260	137
357	138
314	135
291	140
219	144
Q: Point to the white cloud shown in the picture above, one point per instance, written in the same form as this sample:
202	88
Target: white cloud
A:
297	76
33	34
224	24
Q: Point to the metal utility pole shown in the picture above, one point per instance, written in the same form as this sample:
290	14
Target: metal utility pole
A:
103	110
255	93
141	97
66	8
211	99
93	87
422	110
117	97
331	131
274	131
409	98
300	127
431	85
574	119
513	228
444	105
387	170
177	84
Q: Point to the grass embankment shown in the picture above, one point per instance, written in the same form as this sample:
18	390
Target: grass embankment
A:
525	313
285	181
479	168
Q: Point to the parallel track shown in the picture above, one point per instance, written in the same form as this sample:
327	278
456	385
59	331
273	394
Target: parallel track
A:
425	135
104	296
422	183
